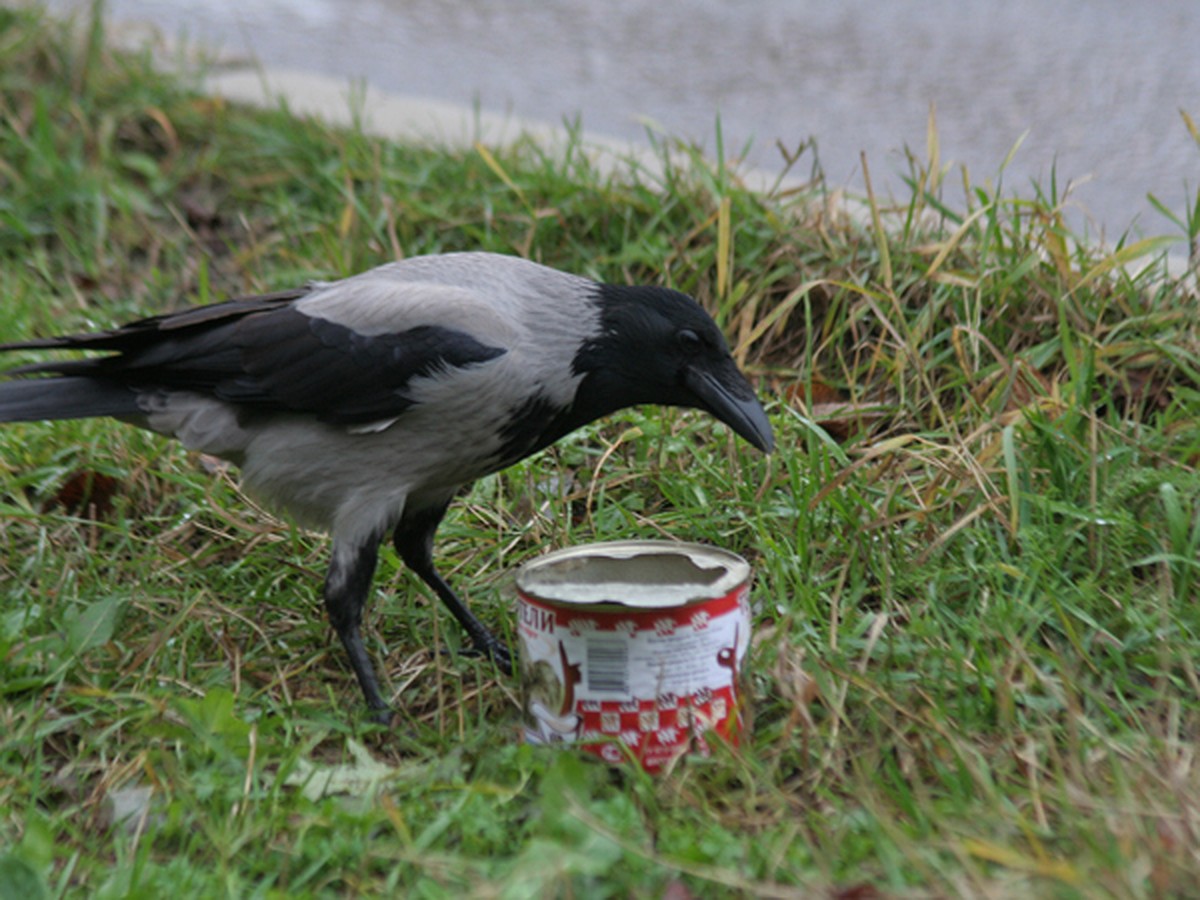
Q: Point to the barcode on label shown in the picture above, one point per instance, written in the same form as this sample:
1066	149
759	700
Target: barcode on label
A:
607	668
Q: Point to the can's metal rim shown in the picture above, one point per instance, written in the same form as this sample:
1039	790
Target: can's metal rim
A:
663	574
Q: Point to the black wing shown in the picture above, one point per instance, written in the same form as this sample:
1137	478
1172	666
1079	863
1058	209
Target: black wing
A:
262	352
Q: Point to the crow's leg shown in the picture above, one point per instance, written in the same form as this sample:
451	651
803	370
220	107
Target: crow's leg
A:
346	587
414	543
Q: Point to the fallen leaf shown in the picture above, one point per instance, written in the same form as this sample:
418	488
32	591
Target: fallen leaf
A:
86	493
830	408
857	892
357	778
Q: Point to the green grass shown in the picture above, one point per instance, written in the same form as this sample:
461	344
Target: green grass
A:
976	548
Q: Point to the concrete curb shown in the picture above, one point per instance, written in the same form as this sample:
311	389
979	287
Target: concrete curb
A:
419	120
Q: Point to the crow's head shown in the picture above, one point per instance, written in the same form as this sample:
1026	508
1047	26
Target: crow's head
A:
659	346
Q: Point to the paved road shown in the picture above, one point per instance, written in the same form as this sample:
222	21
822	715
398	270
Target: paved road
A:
1097	84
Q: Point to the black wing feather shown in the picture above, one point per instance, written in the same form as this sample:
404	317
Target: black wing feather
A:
312	364
143	332
262	352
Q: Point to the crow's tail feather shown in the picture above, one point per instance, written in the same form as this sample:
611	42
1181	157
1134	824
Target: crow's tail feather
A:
36	399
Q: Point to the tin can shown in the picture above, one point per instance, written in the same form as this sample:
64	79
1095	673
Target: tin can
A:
634	648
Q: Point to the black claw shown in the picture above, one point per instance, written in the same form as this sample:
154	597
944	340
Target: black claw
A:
499	653
489	647
381	716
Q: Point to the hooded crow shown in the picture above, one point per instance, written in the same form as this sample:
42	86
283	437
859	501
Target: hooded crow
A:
362	406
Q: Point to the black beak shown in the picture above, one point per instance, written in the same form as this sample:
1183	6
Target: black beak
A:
725	392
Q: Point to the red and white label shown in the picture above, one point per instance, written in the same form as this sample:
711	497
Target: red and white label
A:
646	682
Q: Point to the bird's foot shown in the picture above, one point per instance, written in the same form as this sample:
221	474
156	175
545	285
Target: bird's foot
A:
491	647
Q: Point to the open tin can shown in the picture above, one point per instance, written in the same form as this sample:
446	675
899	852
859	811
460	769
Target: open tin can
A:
634	648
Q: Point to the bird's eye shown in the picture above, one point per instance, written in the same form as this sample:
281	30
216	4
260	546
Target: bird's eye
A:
689	340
